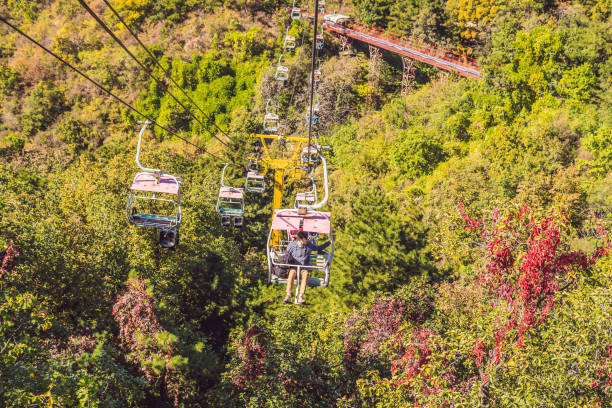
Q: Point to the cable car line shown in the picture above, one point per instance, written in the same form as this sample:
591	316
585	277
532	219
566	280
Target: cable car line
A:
299	58
145	69
103	89
295	65
312	82
168	75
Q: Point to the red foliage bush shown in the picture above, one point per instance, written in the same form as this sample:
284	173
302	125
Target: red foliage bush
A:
527	266
8	258
365	333
135	313
384	321
363	336
410	368
417	354
604	371
253	353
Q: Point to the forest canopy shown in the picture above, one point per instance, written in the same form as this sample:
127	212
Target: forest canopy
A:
471	217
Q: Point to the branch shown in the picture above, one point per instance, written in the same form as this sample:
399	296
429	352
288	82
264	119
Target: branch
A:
483	391
542	297
10	340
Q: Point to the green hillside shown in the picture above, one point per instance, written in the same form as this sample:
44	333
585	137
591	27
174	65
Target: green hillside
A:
470	216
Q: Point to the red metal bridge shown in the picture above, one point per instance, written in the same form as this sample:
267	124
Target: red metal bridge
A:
407	47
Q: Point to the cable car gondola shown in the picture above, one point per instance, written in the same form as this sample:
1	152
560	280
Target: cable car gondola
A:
296	12
306	217
313	222
289	43
322	6
255	180
255	183
307	198
160	194
317	74
320	40
271	121
310	156
315	114
230	203
282	72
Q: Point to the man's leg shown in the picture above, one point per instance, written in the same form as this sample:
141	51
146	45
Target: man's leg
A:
303	283
290	279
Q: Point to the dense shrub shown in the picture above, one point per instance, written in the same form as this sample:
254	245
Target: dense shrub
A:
75	134
40	109
9	79
416	154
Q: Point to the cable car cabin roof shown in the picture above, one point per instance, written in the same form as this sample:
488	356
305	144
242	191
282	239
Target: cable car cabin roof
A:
231	192
311	149
270	116
254	175
305	197
289	220
148	182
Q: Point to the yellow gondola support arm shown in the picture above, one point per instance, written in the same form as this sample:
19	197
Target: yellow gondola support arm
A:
282	167
277	137
277	201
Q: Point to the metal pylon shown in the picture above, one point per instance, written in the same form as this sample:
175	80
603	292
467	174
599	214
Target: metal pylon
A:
374	74
408	75
345	42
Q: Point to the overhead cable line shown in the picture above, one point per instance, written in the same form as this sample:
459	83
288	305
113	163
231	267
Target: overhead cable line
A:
145	69
103	89
168	75
296	66
312	68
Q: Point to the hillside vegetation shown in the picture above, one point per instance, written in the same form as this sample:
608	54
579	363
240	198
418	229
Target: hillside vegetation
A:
471	217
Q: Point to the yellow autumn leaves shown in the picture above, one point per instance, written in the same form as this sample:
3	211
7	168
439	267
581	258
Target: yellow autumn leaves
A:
471	15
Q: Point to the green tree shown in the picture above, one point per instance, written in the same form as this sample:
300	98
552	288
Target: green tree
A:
416	154
600	144
298	360
16	142
26	8
577	84
380	247
75	134
373	12
420	19
9	79
44	104
530	67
